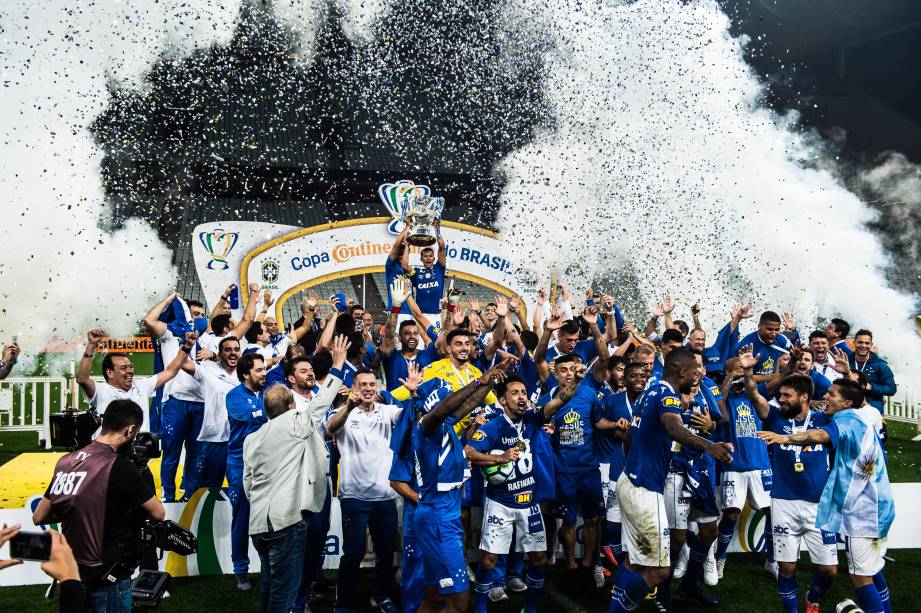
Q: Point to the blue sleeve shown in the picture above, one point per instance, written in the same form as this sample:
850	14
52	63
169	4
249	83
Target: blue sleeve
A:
820	385
401	469
618	318
596	410
587	350
791	336
885	381
726	339
276	375
669	404
237	407
481	441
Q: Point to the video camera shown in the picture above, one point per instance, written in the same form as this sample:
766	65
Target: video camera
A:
144	447
168	536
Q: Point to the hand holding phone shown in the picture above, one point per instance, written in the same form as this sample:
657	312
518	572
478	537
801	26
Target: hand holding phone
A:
31	546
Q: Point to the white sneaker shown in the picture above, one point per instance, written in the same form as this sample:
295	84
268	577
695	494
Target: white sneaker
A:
682	566
598	573
711	577
771	568
517	585
720	567
497	594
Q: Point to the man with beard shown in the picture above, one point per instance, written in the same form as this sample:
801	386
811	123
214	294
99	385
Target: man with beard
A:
801	362
396	362
216	380
856	501
245	414
656	424
799	476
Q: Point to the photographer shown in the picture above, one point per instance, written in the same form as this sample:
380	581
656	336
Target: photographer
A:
101	498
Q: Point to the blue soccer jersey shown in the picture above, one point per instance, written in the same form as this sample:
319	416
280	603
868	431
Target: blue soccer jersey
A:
429	286
684	457
246	414
574	426
440	463
799	473
749	451
650	446
501	434
614	406
401	469
768	353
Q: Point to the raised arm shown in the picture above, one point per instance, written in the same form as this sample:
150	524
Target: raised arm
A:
152	319
498	333
266	303
747	361
394	254
816	436
695	316
537	319
599	369
85	369
653	321
464	399
219	305
516	306
249	314
553	323
172	369
668	305
442	249
564	395
327	336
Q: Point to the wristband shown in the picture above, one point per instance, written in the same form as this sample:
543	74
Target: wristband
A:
395	310
87	355
187	348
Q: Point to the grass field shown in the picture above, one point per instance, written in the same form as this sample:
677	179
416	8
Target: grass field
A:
745	587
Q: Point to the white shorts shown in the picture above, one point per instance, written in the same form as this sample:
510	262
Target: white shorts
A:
645	533
793	521
501	522
864	555
735	488
678	504
605	469
611	505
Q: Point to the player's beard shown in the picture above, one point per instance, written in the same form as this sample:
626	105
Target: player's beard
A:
788	411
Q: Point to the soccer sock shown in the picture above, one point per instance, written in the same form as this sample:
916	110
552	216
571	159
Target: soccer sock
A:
630	589
820	584
612	536
696	559
769	537
483	584
883	588
726	527
535	580
869	599
788	593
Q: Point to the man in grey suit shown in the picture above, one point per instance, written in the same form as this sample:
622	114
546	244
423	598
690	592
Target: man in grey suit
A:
284	478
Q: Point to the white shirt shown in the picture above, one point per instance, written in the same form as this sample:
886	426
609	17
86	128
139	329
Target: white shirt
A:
364	443
273	351
215	383
183	386
141	391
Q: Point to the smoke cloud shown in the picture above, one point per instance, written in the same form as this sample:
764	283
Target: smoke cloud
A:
662	164
61	271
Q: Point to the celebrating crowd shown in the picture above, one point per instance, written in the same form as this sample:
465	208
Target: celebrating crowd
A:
497	432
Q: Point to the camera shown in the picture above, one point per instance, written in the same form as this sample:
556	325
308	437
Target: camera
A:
73	429
168	536
144	447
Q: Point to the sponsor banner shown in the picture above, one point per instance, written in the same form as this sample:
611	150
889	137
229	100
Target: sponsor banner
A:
132	344
315	255
208	515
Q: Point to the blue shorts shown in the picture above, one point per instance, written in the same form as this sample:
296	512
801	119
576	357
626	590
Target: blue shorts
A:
442	545
579	490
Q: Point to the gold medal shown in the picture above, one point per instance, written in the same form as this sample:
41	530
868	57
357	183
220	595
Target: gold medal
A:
799	467
520	446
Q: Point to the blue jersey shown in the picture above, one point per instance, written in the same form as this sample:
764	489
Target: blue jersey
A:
788	482
401	469
501	434
440	464
246	414
749	452
276	375
683	457
768	354
392	270
574	426
614	406
650	446
429	287
396	365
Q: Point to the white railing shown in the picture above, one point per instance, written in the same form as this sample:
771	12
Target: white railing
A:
26	404
902	407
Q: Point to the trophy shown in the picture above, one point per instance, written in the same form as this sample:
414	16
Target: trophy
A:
421	213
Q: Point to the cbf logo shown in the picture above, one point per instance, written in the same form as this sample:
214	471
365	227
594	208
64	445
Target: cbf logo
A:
270	270
393	194
218	243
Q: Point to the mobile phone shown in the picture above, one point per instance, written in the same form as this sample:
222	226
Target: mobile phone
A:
31	546
359	325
